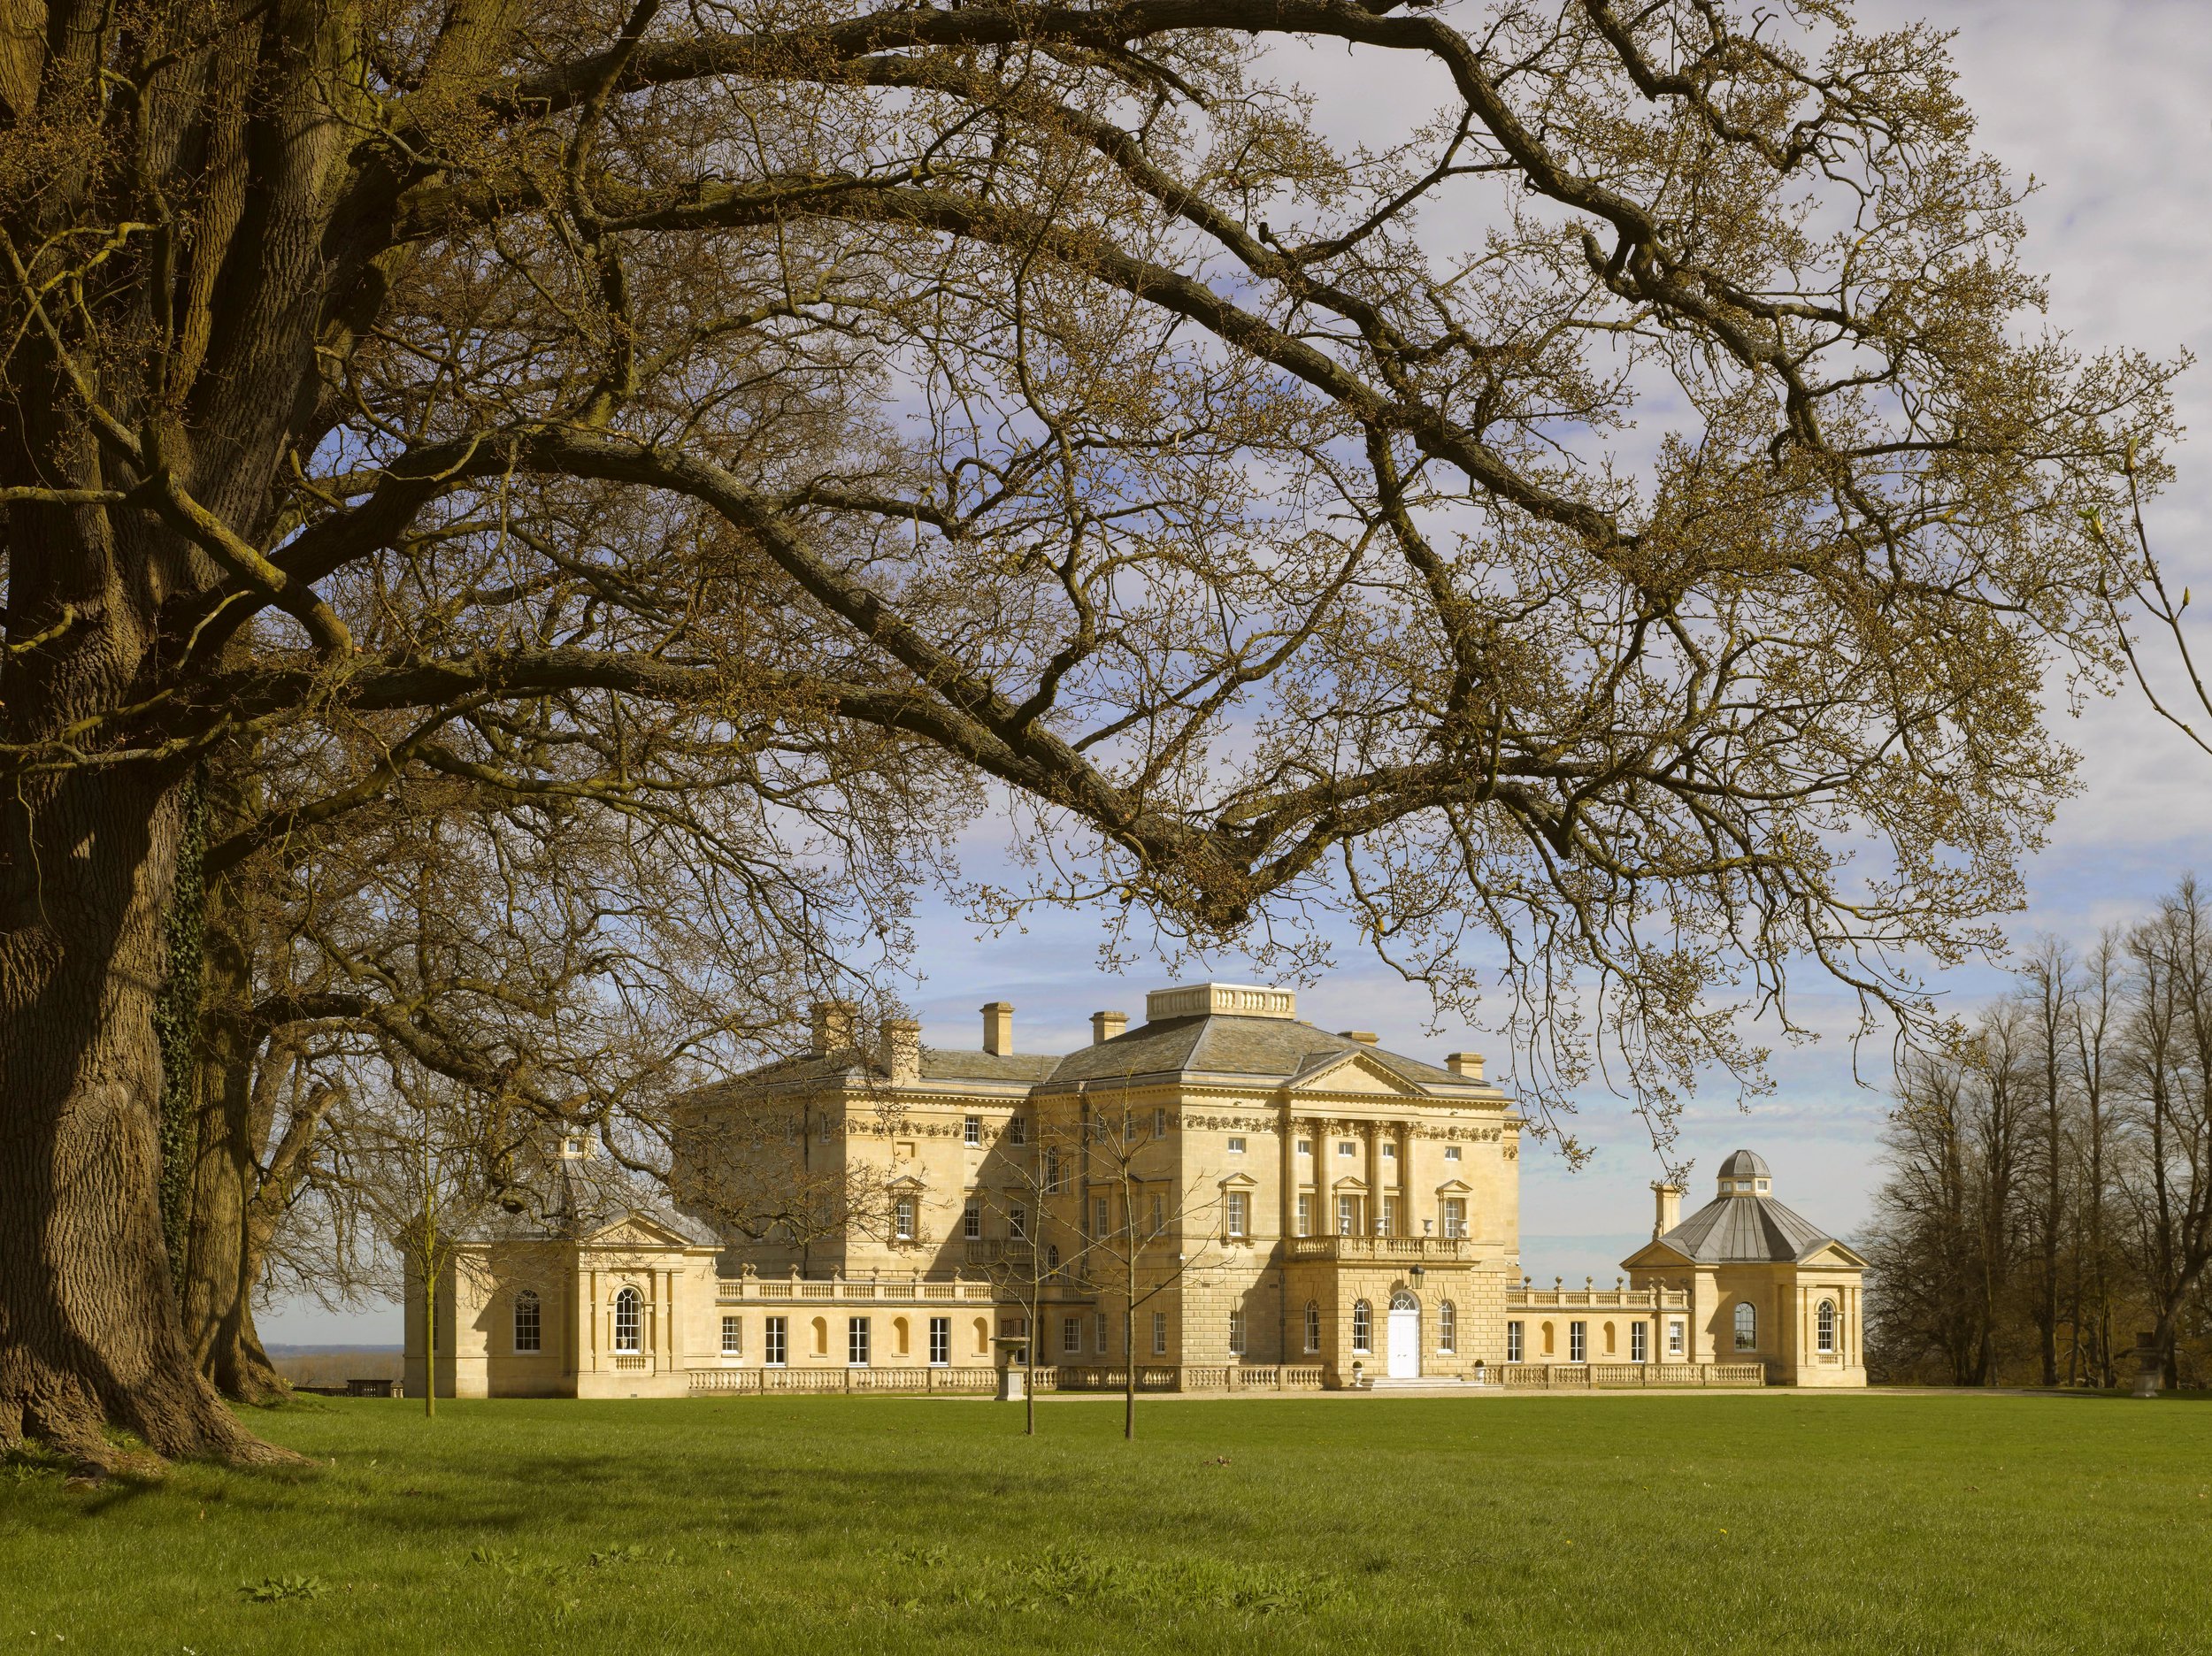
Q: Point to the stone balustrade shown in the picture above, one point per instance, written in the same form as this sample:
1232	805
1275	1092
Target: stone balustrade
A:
1383	1249
862	1290
1591	1377
1596	1299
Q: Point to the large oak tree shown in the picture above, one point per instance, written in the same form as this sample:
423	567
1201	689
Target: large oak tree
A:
1036	387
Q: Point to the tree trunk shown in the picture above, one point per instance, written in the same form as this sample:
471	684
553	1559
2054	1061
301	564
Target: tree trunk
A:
229	1232
89	1331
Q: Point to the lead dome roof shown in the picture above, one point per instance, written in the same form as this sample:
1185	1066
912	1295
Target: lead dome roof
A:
1743	1165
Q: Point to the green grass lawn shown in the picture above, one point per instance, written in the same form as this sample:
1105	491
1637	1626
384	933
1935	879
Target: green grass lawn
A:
814	1526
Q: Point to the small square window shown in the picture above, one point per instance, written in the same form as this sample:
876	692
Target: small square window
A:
1390	1152
1451	1153
1305	1147
1347	1147
1236	1146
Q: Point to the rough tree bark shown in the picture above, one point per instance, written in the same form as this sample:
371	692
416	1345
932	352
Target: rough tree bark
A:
229	1227
90	1331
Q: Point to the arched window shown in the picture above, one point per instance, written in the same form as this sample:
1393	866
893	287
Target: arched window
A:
1447	1327
1403	1301
1747	1326
526	1322
1052	1258
1824	1326
1313	1326
1362	1327
629	1320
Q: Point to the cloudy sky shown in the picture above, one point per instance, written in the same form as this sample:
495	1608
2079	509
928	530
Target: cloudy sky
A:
2103	104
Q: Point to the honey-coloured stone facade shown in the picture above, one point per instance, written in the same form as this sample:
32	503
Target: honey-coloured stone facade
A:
1221	1196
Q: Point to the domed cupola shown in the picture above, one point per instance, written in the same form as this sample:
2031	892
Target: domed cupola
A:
1744	1174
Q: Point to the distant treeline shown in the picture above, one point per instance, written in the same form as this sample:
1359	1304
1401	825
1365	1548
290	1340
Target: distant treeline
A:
309	1367
2049	1183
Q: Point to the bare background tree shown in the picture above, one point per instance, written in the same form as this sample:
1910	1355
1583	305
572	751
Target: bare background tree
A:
2050	1183
1028	396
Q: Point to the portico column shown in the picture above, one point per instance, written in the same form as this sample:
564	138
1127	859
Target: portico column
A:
591	1315
1406	1217
1324	1158
1374	1216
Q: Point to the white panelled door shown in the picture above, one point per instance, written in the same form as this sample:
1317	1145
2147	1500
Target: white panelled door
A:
1405	1335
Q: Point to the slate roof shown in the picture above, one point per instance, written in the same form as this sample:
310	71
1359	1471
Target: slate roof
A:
1207	1044
1740	1230
1216	1044
938	1063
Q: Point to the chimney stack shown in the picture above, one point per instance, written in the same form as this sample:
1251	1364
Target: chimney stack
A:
1669	1209
1366	1038
902	1050
1106	1025
1466	1064
835	1024
998	1028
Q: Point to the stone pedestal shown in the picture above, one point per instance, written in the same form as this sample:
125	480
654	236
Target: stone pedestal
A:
1013	1385
2150	1373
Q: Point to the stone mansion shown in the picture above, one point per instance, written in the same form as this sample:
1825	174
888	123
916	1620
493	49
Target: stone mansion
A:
1223	1196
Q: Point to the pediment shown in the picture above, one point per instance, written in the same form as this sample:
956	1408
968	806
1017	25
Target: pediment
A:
1350	1182
1834	1254
1238	1181
1454	1187
637	1230
1354	1072
1654	1255
906	1182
